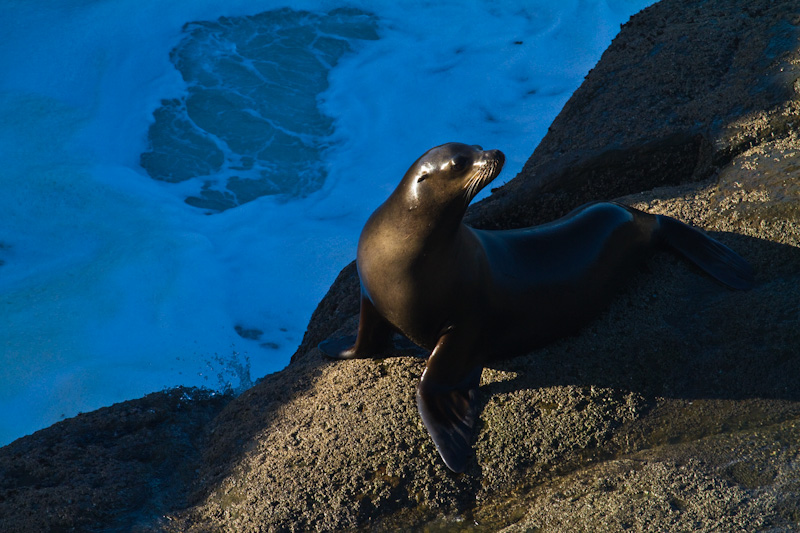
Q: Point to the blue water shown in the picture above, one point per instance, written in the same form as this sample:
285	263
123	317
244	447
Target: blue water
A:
182	181
250	125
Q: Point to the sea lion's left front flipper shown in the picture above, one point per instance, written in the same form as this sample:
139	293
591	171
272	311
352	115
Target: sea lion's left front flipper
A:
446	399
374	335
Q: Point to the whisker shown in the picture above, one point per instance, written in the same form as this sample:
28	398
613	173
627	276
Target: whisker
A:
479	179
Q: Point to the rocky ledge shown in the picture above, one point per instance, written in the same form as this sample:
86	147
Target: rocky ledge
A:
677	410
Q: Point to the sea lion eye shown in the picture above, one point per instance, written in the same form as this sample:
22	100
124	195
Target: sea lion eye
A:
459	163
422	177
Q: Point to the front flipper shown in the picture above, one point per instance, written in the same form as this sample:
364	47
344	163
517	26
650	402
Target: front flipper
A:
374	334
339	347
446	400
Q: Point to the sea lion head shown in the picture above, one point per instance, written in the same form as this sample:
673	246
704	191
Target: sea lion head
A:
445	179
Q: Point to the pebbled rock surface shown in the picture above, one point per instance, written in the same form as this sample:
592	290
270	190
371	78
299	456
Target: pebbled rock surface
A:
678	409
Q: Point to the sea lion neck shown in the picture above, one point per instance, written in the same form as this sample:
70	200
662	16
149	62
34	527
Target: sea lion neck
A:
401	220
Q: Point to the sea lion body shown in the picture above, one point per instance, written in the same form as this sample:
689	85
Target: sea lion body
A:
512	290
472	296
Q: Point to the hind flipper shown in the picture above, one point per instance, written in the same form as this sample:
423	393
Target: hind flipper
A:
716	259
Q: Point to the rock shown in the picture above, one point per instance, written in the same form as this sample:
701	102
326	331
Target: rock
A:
114	469
676	410
684	88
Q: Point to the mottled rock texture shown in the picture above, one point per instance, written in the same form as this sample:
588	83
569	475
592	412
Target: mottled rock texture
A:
678	409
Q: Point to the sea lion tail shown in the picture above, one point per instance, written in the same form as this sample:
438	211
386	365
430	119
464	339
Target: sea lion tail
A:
716	259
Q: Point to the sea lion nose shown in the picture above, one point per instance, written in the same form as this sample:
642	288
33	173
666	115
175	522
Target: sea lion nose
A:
477	147
499	156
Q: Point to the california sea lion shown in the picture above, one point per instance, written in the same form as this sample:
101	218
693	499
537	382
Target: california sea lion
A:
471	296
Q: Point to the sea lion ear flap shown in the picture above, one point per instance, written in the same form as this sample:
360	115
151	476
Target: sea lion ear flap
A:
449	414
